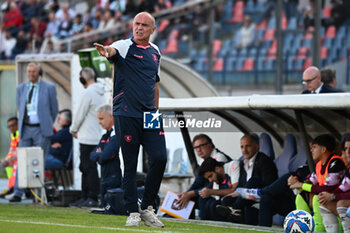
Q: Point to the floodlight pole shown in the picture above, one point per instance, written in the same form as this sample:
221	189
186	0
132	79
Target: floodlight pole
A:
316	42
279	55
210	42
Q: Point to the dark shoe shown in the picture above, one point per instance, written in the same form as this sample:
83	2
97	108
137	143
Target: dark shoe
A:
77	203
232	215
6	192
89	203
15	199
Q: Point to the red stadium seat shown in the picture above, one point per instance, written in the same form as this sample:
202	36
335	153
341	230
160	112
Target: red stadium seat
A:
331	32
284	21
302	53
216	47
262	25
324	52
269	34
307	63
218	65
163	24
238	12
248	64
326	12
172	47
174	34
271	53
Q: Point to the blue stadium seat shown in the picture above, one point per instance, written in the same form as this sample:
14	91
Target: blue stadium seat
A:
290	63
260	34
243	52
299	63
339	42
260	63
307	43
239	63
299	159
265	145
289	151
271	23
341	31
249	7
230	64
228	10
270	64
328	42
252	52
292	24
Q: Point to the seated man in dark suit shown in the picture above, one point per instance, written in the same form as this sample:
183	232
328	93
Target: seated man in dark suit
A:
61	142
107	155
313	83
257	170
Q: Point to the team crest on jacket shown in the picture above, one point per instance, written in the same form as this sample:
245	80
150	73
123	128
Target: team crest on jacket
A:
155	57
128	138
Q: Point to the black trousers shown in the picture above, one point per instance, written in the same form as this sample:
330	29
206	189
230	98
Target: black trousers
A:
90	183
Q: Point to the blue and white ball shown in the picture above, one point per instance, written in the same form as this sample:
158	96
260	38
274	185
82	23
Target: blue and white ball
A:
298	221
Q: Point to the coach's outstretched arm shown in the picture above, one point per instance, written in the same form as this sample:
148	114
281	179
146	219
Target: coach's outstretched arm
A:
105	51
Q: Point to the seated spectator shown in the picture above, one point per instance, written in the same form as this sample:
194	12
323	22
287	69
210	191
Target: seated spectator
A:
77	26
328	174
63	11
97	17
10	161
52	25
61	142
65	27
257	170
107	154
204	148
50	48
338	14
160	5
313	82
130	10
107	21
220	184
336	203
8	44
21	44
247	34
13	18
37	26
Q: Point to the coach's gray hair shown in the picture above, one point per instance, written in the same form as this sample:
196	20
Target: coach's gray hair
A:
88	73
67	115
105	108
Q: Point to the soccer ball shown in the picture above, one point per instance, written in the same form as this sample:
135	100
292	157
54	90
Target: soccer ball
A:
298	221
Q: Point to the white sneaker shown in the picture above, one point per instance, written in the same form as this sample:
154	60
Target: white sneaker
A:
9	196
150	218
133	220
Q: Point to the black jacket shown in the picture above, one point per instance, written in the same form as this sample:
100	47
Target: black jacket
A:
65	139
325	89
264	172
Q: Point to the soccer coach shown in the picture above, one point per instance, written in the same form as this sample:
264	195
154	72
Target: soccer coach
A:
136	92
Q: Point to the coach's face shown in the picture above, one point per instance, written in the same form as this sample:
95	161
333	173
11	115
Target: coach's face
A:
33	73
248	147
143	27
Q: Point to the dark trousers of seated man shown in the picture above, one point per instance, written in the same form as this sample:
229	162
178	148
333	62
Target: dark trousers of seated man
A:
275	198
90	183
207	209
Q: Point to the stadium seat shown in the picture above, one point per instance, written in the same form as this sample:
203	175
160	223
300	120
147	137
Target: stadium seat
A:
303	52
218	65
238	13
326	12
331	32
292	24
172	47
307	63
230	64
174	34
216	47
249	7
328	42
324	52
260	34
284	21
289	151
265	145
260	63
262	25
228	10
307	43
239	63
252	52
248	65
162	25
243	52
299	64
271	53
269	34
299	159
270	64
271	23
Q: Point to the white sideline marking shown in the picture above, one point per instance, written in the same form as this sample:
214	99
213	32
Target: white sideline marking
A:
81	226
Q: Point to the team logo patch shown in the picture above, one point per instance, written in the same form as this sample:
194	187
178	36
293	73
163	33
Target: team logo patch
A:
151	120
128	138
155	58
